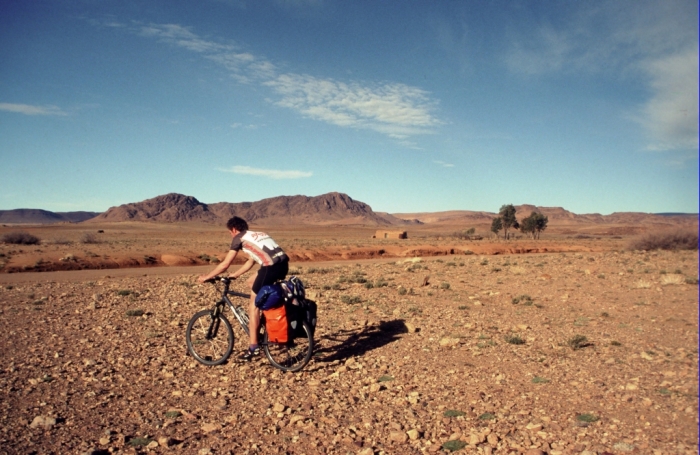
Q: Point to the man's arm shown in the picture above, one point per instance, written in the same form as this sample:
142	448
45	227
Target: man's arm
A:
244	268
222	267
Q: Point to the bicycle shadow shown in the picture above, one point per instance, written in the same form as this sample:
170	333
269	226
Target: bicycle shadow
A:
347	343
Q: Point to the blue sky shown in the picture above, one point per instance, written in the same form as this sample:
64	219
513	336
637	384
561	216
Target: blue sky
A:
409	106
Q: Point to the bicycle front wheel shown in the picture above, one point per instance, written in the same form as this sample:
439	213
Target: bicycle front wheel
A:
291	356
209	338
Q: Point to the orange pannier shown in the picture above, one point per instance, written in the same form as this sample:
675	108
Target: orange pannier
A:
276	325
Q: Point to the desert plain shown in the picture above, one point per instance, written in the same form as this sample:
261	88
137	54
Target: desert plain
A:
571	344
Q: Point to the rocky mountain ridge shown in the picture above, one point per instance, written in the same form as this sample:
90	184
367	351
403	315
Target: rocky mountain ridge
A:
327	209
330	208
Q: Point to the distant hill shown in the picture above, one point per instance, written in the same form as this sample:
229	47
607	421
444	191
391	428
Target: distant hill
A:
330	208
557	217
38	216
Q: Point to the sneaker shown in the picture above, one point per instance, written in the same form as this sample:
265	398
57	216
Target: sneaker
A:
248	355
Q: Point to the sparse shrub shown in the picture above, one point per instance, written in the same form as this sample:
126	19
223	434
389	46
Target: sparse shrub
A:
453	413
350	300
369	285
588	418
444	285
402	290
124	292
615	343
385	378
89	238
577	342
172	414
524	299
454	445
514	339
20	238
135	313
539	380
680	240
487	416
137	442
691	280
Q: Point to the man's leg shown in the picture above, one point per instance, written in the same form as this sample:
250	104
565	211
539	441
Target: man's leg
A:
253	313
254	317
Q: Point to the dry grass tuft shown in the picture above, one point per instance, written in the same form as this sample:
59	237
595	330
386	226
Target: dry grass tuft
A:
672	279
642	284
517	270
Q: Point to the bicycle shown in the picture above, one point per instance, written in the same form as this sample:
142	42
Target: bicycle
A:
210	336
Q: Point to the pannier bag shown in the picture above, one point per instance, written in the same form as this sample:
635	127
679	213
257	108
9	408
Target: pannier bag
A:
299	308
276	324
270	296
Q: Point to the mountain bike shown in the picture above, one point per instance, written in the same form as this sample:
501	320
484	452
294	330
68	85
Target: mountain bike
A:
210	336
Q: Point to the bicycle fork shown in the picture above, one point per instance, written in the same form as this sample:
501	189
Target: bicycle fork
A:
215	321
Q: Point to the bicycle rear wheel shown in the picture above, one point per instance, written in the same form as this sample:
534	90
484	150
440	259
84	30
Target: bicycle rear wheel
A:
293	355
209	338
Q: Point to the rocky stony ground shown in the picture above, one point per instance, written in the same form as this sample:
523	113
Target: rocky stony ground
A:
577	353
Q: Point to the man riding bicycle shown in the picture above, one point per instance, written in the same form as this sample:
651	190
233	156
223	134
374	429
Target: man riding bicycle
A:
274	265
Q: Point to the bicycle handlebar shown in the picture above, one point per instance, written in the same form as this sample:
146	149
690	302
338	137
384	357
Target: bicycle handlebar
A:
223	279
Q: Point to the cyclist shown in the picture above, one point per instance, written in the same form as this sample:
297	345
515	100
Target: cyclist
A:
274	265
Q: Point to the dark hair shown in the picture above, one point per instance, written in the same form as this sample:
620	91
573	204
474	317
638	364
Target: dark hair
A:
238	223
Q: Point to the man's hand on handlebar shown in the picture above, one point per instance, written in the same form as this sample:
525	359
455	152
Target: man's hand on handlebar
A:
214	279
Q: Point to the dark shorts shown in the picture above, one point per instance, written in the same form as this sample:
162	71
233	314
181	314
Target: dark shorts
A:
270	274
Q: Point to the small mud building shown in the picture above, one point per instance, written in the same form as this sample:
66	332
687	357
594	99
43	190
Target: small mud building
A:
390	235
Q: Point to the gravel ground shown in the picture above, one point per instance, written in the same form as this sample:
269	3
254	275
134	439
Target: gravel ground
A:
576	353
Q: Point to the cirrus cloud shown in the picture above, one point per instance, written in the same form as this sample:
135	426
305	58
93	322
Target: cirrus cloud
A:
28	109
394	109
274	174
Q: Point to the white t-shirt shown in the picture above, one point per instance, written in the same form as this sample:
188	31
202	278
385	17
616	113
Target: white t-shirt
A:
258	246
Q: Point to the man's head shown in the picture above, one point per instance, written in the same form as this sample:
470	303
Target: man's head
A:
237	223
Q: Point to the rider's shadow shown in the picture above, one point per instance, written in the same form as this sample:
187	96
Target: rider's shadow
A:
347	343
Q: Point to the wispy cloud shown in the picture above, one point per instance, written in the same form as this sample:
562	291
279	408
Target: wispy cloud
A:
671	115
394	109
27	109
657	41
269	173
250	126
443	164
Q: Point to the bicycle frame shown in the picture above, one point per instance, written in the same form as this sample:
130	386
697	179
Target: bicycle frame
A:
226	301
